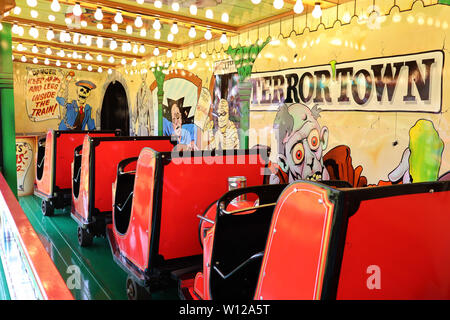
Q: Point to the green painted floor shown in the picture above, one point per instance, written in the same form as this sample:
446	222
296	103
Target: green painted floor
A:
101	277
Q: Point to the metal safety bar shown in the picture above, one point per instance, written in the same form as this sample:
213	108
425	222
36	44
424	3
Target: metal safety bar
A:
223	211
205	219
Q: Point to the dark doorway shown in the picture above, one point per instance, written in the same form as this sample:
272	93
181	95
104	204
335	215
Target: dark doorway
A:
115	109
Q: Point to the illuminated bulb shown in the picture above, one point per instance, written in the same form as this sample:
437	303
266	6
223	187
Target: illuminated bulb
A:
46	61
100	26
138	22
209	14
123	61
21	31
158	4
135	49
111	59
68	20
75	55
118	17
98	15
317	12
192	32
141	48
61	53
89	68
76	38
193	9
113	45
169	53
20	47
203	55
175	6
133	63
129	29
170	37
157	34
124	47
48	51
58	63
15	28
32	3
99	58
143	32
109	71
55	6
35	60
223	38
225	17
88	57
17	10
114	27
298	8
79	67
157	24
88	40
156	51
77	11
99	70
34	14
34	32
140	1
208	34
83	23
34	49
67	37
51	17
174	28
62	36
69	65
278	4
256	1
99	42
191	55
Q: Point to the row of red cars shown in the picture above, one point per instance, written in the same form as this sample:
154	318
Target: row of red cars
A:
210	222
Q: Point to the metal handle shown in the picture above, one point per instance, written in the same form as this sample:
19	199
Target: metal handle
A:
223	211
125	172
205	219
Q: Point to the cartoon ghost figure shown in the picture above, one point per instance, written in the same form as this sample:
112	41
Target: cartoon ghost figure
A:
301	143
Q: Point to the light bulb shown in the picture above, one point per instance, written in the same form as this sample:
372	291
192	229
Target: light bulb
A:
223	38
99	58
89	68
32	3
79	67
123	61
208	34
140	1
157	24
23	59
88	40
68	20
17	10
20	47
298	8
169	53
143	32
83	23
48	51
15	28
174	28
170	37
109	71
135	49
99	26
278	4
209	14
62	36
193	9
138	22
75	55
192	32
124	47
133	63
34	32
61	53
111	59
34	49
114	27
175	6
51	17
156	51
99	70
58	63
225	17
113	45
256	1
317	12
129	29
191	55
34	14
158	4
35	60
142	48
157	34
118	17
98	15
21	31
46	61
99	42
77	11
76	38
69	65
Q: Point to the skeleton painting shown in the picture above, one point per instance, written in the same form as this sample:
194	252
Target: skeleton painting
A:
78	112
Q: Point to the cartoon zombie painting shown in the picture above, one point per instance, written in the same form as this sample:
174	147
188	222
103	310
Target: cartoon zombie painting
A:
226	136
78	112
301	143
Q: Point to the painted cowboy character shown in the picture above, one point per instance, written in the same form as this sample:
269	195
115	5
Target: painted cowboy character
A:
78	113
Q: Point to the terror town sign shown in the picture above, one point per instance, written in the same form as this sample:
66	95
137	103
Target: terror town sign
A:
409	83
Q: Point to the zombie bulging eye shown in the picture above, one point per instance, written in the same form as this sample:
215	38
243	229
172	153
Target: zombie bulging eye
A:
298	153
314	139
